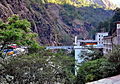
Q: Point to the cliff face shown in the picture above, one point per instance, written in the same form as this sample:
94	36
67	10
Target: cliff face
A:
42	21
55	24
45	20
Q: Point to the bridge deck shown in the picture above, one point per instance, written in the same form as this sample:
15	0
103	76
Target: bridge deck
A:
59	47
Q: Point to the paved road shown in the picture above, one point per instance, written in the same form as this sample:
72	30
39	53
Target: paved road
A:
110	80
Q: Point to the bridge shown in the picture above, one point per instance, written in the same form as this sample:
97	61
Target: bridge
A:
60	47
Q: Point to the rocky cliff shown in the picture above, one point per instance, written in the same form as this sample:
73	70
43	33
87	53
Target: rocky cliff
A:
55	24
42	21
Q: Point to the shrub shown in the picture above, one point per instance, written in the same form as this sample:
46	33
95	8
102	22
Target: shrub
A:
95	70
114	55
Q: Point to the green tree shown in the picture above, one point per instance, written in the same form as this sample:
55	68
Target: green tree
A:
100	68
39	66
16	31
114	55
95	70
113	21
92	54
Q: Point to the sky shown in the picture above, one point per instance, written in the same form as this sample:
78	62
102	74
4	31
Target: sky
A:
117	2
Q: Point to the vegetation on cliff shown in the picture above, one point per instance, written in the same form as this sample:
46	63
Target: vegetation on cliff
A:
77	3
109	25
84	3
87	18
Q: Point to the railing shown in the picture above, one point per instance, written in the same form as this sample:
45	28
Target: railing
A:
72	47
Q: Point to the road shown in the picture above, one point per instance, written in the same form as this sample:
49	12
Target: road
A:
109	80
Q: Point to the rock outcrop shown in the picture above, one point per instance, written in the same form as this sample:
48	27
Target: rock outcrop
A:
42	21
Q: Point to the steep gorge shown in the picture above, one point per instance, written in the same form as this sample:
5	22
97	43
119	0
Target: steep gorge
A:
55	24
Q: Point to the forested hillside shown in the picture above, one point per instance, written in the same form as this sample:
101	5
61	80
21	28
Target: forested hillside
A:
84	18
110	25
56	23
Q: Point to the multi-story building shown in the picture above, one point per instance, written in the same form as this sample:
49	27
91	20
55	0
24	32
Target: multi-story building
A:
107	44
99	37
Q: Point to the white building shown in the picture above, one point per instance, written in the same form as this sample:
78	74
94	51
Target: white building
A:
99	37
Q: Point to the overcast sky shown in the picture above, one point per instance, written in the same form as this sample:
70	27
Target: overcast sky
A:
116	2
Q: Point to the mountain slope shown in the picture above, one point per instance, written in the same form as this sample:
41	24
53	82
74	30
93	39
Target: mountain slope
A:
56	23
35	13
